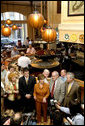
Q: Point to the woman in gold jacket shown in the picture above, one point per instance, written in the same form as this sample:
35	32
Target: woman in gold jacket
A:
41	93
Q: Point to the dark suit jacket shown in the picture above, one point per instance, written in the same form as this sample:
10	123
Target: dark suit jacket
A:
26	88
75	93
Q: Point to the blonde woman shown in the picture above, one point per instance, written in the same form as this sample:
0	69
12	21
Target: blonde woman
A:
12	91
41	93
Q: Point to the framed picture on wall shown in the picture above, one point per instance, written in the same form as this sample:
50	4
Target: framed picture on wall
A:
75	8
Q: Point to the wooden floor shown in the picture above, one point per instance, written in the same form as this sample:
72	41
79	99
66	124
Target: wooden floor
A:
42	122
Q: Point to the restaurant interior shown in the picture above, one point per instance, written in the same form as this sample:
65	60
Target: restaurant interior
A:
54	29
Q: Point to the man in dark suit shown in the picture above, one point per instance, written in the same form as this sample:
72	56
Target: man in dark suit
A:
73	91
26	88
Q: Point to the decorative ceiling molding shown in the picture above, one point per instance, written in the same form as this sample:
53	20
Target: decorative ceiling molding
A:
22	3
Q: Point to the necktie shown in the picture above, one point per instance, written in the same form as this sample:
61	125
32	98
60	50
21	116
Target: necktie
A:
52	90
69	87
26	80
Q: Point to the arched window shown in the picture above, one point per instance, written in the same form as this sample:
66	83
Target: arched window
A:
21	33
12	16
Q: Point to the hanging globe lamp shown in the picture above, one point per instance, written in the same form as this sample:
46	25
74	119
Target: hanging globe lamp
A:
36	20
8	21
49	34
6	31
2	26
14	27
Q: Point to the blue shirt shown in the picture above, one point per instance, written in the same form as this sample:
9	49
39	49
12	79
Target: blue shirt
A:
63	79
76	120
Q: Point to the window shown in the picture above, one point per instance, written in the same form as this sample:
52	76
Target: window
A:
21	33
12	16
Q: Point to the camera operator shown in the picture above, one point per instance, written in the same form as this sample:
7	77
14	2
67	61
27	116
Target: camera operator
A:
29	118
56	116
74	111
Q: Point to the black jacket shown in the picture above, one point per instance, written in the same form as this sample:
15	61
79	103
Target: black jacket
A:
26	88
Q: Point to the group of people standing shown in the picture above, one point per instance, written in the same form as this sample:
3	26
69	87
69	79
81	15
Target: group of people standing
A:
26	93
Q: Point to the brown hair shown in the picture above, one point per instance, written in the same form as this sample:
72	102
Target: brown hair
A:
41	77
10	66
25	69
11	75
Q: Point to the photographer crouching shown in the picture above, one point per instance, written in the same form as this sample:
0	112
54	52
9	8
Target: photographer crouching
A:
56	117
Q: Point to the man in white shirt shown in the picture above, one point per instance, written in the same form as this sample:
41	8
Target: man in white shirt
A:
23	61
30	50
